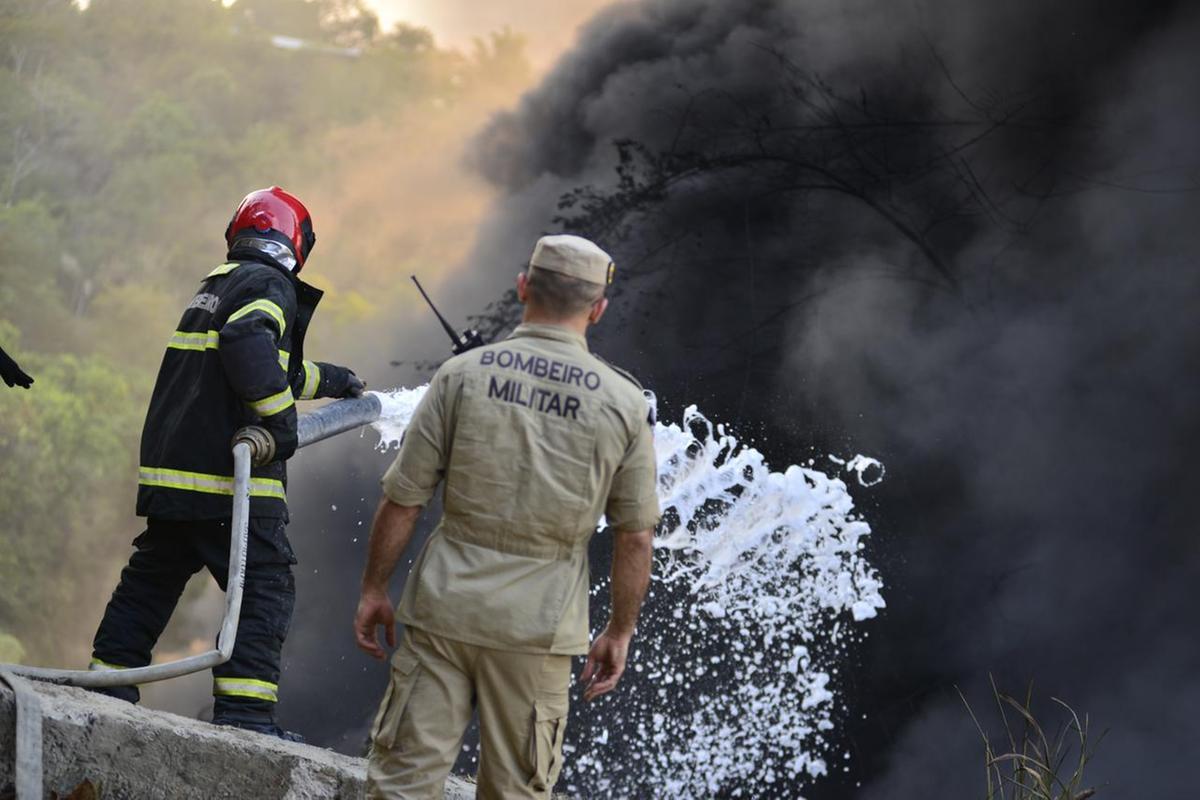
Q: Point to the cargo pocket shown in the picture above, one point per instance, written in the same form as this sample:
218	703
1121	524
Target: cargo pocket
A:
387	722
268	543
549	727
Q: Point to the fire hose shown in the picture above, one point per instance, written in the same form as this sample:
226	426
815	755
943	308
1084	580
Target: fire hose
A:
330	420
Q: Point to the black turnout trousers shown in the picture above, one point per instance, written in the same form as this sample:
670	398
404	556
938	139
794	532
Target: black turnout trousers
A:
168	553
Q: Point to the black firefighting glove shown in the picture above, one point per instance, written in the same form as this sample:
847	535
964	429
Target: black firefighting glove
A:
13	375
339	381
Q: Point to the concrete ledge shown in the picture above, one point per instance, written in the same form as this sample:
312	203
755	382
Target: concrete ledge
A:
132	752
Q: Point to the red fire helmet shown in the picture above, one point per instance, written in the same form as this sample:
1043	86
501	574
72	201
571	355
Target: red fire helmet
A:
275	210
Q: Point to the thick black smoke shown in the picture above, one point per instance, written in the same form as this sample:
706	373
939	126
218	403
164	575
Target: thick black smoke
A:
1010	327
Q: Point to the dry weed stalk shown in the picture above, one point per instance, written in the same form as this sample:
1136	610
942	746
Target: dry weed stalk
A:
1035	766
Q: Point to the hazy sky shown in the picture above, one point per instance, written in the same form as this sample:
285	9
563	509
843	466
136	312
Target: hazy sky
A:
549	24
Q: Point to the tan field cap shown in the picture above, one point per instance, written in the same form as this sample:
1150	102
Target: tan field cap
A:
575	257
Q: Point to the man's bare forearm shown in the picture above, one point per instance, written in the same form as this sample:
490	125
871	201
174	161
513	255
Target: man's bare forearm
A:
390	533
630	578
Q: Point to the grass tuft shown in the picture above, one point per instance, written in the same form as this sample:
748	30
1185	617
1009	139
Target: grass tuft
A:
1029	765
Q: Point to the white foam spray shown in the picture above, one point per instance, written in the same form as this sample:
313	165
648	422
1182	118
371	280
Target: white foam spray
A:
396	409
760	586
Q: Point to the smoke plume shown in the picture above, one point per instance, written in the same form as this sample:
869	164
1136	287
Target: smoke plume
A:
548	27
1010	327
993	290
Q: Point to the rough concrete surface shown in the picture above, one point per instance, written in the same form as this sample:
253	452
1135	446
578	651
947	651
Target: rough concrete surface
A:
132	752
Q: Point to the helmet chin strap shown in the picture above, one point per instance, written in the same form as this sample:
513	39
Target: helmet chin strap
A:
281	254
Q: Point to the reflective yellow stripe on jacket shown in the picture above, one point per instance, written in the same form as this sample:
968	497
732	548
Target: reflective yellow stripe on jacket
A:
312	380
246	687
207	484
267	307
224	269
103	666
269	406
194	340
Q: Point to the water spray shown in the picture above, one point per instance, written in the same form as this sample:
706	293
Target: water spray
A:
760	591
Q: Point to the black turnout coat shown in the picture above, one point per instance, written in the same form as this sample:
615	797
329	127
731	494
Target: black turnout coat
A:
236	359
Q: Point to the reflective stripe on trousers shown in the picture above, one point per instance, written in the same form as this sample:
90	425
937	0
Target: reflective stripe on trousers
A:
246	687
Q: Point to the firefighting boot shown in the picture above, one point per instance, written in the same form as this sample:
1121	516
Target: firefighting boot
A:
248	719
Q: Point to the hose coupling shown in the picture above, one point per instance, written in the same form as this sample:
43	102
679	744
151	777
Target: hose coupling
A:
261	442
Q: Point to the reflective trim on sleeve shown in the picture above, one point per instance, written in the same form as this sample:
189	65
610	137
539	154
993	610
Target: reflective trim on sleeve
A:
193	340
312	380
285	358
224	269
103	666
246	687
207	484
270	406
265	306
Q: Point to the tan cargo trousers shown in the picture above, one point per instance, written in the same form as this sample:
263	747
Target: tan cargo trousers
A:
436	684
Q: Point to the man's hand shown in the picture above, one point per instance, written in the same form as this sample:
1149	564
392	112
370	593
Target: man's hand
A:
374	609
390	532
605	664
630	577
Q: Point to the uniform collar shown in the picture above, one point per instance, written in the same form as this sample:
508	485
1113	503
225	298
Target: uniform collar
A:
556	332
306	292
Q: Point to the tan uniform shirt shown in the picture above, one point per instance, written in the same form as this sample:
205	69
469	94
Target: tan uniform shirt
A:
535	438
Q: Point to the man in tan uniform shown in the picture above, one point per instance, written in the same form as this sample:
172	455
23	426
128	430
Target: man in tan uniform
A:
535	439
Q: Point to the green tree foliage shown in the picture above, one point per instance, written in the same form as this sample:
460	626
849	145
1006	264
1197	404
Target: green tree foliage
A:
128	131
65	456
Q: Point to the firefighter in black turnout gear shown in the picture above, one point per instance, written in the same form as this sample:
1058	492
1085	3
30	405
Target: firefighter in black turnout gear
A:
236	360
